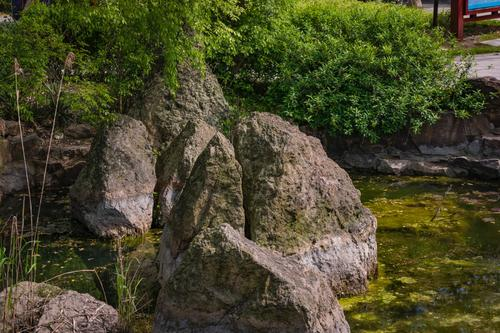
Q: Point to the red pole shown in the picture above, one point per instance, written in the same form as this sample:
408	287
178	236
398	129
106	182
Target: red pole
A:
457	18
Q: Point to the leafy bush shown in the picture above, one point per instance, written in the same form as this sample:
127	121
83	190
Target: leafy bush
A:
354	68
5	6
38	48
250	27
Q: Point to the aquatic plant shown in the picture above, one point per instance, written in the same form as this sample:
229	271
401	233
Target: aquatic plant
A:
18	262
127	286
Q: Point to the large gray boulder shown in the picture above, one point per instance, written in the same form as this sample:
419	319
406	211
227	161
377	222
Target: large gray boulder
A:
227	283
212	196
164	113
113	195
176	163
43	308
301	203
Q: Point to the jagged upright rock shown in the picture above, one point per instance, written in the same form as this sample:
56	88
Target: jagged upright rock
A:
212	196
199	97
300	202
176	163
227	283
113	195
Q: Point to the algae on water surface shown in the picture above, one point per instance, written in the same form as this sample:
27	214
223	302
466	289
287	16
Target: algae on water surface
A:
439	257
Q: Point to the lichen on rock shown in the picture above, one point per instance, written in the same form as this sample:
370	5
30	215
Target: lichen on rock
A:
300	202
176	163
165	113
212	196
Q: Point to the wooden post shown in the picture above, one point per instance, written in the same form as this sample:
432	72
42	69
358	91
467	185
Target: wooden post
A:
435	13
457	18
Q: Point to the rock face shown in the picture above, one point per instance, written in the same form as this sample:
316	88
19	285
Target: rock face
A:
227	283
176	163
301	203
485	169
13	178
212	196
67	158
198	97
260	240
43	308
113	195
451	131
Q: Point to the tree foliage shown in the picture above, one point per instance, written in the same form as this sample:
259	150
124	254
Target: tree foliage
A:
119	44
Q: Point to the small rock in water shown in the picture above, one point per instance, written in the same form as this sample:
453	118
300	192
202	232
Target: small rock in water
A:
488	220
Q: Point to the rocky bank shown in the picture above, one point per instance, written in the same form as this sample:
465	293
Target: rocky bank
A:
68	156
451	147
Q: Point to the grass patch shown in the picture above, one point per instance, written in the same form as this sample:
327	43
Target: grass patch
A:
476	49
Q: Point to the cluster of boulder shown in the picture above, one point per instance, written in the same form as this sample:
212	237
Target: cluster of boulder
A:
261	236
262	231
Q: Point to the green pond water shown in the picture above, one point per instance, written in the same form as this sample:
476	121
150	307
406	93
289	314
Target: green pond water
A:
439	257
438	247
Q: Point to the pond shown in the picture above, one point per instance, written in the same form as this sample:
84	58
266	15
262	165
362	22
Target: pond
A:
73	258
438	245
439	257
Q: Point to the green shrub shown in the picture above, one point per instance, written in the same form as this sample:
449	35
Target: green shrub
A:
40	51
251	27
354	68
5	6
